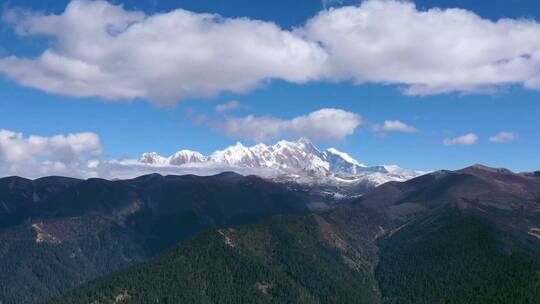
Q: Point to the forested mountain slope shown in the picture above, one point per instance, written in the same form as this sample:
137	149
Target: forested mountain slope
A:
56	233
469	236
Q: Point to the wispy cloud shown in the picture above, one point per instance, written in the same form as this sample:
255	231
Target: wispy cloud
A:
467	139
394	126
229	106
504	137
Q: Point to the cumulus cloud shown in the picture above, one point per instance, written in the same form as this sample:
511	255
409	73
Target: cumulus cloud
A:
429	51
504	137
104	50
467	139
37	155
324	125
229	106
394	126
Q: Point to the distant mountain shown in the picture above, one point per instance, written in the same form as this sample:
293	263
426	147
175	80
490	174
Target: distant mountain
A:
19	195
466	236
478	189
469	236
300	161
56	233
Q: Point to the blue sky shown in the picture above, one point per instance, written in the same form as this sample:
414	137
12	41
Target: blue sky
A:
128	127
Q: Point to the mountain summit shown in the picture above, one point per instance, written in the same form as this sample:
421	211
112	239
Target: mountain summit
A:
300	160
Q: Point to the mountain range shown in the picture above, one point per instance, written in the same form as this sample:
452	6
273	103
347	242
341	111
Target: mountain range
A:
56	232
298	161
465	236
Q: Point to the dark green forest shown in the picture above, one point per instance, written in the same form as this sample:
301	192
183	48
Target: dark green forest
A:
444	238
452	257
447	256
283	260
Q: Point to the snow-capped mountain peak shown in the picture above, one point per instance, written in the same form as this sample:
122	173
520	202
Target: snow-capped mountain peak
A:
237	155
345	157
298	159
186	156
153	158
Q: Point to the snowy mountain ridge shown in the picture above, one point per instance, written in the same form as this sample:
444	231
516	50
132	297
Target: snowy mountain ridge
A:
298	160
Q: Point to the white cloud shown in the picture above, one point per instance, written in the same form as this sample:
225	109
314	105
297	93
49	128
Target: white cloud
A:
394	126
324	125
103	50
130	168
429	51
467	139
79	155
34	156
229	106
504	137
